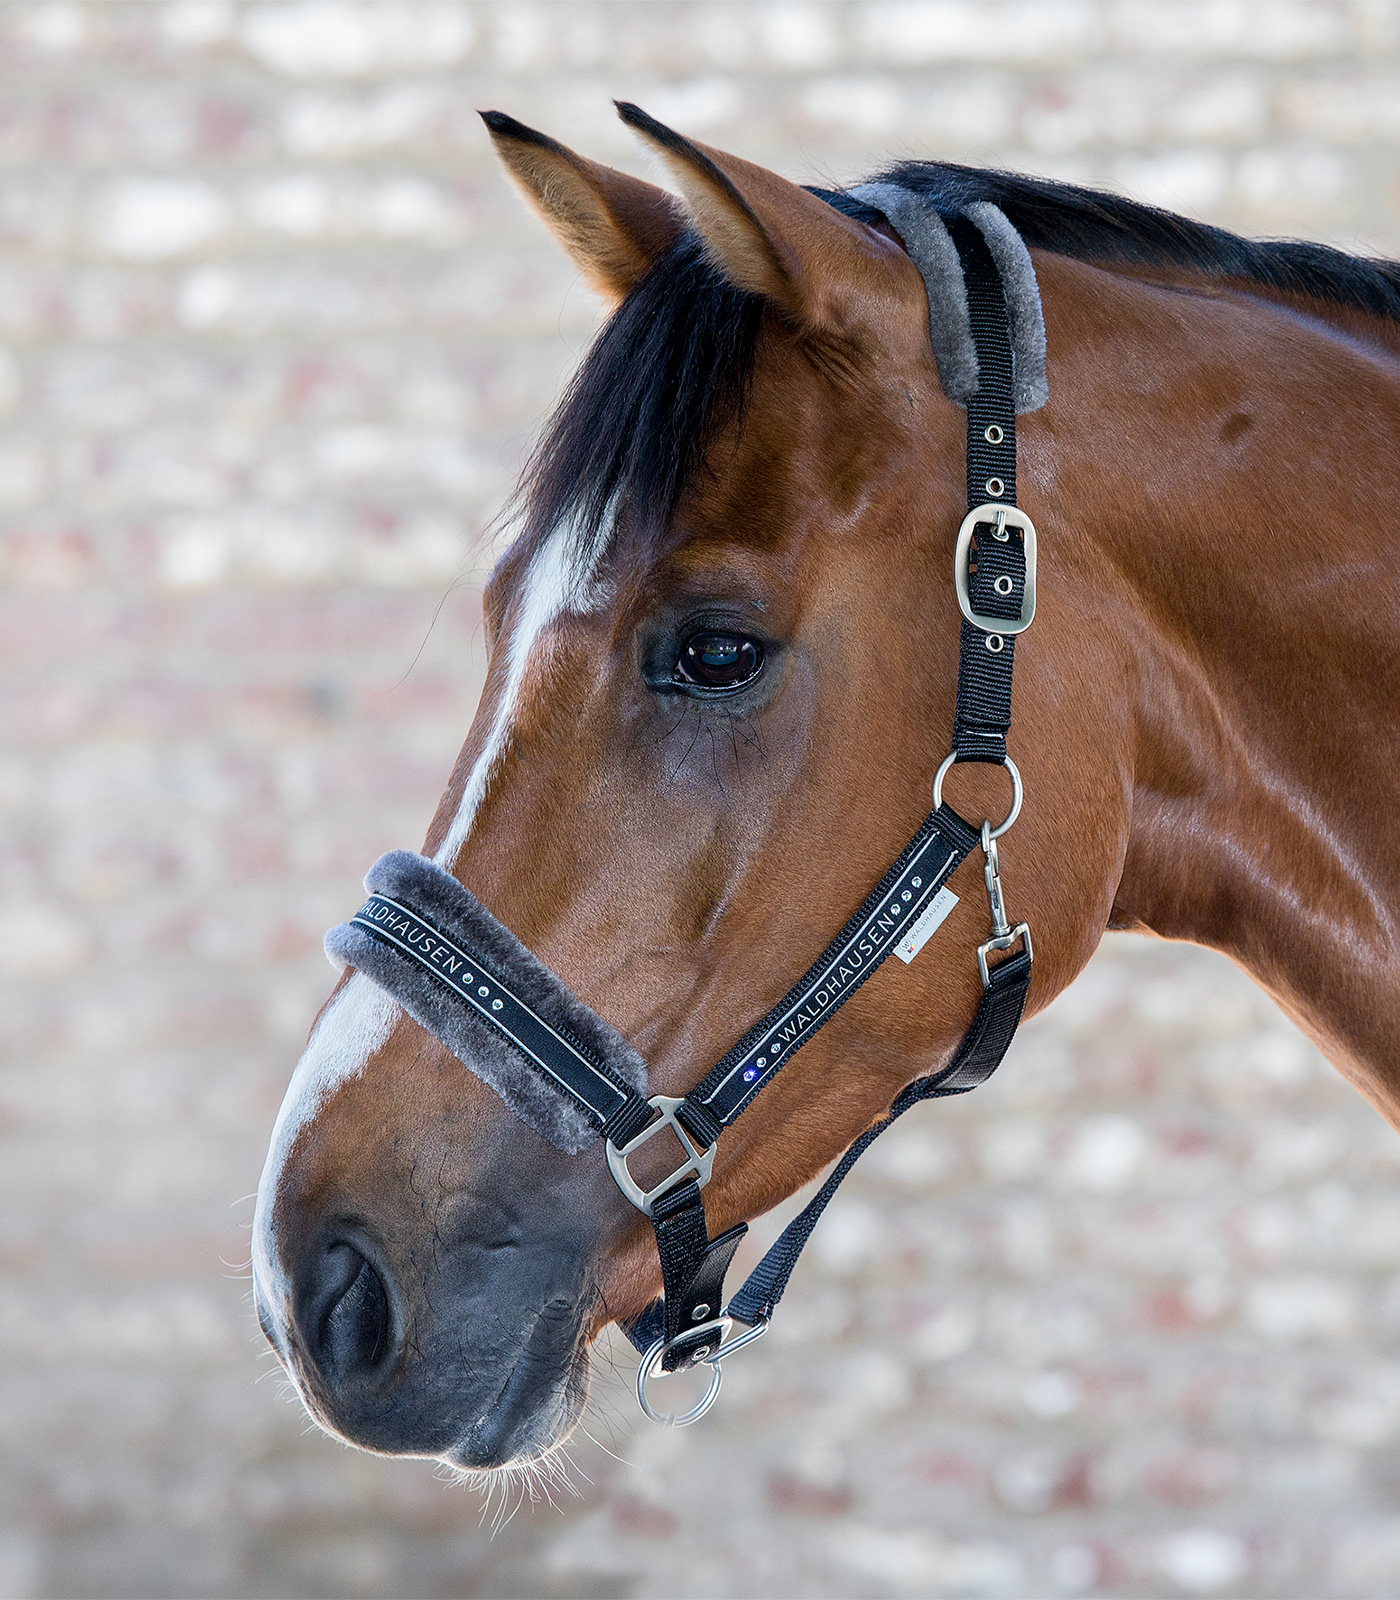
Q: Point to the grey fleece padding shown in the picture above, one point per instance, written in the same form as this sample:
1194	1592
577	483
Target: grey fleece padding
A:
932	251
458	915
1013	263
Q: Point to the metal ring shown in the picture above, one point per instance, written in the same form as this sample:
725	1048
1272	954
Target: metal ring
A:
650	1362
1017	791
995	643
1003	584
996	488
993	434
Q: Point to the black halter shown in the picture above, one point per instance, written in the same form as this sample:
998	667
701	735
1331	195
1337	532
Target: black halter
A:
994	575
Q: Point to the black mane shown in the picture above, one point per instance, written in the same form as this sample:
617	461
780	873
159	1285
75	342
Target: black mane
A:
674	363
1091	225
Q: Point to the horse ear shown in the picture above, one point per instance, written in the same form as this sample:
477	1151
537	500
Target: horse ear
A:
613	226
768	235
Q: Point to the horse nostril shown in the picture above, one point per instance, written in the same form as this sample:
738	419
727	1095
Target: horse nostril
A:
352	1333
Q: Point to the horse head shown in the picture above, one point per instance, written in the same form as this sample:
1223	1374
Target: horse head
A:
723	652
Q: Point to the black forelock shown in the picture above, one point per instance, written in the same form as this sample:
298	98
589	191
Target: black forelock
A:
670	368
675	362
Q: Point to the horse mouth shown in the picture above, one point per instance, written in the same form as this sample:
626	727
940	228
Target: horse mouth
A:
540	1402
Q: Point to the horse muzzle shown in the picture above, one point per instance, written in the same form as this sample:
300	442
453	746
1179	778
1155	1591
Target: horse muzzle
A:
424	1263
480	1362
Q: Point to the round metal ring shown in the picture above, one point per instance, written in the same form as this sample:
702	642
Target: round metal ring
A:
651	1361
995	488
995	643
993	435
1017	792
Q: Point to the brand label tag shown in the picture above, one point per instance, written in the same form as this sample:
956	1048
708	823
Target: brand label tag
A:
930	920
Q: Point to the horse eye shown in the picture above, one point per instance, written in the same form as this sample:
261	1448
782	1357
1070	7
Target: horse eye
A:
719	660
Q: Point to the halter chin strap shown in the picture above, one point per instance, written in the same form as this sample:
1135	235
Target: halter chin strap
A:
566	1072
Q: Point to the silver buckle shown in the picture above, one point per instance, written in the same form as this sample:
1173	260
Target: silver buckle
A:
651	1364
697	1161
1001	517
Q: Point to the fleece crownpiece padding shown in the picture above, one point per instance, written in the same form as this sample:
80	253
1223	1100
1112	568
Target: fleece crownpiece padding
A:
931	249
453	911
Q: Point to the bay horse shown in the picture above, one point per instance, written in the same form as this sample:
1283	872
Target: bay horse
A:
757	454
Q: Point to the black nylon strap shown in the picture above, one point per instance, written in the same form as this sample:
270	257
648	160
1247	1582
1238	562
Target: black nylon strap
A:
692	1274
983	712
982	717
978	1056
940	846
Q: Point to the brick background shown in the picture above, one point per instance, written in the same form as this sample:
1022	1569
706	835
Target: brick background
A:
274	336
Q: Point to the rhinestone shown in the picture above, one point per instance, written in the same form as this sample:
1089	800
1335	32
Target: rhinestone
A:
483	990
750	1075
918	883
495	1005
906	895
763	1061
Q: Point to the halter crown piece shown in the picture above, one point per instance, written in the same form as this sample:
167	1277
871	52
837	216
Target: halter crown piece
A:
559	1066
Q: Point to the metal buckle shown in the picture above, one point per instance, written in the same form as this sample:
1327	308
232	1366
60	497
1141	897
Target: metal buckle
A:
1001	517
651	1364
1017	790
697	1161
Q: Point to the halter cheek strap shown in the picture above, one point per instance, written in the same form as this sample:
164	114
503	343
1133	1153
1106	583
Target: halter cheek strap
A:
560	1067
994	576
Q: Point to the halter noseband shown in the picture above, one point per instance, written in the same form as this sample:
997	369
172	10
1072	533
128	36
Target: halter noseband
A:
427	940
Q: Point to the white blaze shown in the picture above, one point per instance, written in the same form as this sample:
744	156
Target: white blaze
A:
356	1023
361	1017
554	584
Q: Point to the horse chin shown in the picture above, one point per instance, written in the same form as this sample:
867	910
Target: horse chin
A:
527	1422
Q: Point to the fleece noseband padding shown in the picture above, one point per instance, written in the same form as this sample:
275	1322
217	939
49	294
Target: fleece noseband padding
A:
933	252
437	898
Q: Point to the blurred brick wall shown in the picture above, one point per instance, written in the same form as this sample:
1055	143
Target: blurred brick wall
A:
273	338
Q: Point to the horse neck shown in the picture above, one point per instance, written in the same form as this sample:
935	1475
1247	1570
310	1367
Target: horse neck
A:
1239	488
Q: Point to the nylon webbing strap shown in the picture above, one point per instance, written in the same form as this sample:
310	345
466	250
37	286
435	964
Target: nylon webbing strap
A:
547	1050
692	1275
978	1057
996	590
983	712
942	843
